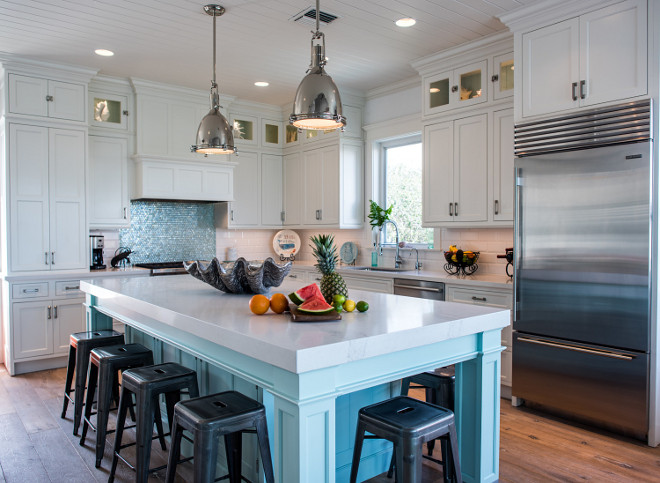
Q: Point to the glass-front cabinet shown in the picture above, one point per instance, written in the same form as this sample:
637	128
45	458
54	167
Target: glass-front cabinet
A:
245	129
109	111
502	77
456	88
291	135
271	133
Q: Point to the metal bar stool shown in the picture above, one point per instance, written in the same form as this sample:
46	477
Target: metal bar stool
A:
228	414
408	423
106	363
80	346
148	383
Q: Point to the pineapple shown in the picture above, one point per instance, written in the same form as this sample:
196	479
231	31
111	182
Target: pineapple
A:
326	255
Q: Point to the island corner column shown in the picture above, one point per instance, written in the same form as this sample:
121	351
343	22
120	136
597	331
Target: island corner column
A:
95	320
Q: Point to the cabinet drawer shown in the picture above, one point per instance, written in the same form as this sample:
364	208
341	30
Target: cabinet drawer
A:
68	288
370	284
479	297
29	290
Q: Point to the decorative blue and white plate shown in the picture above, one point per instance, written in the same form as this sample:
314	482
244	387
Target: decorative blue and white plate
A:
348	252
286	244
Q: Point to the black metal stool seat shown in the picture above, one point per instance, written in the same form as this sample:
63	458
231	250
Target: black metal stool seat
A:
228	414
80	346
148	383
408	423
106	363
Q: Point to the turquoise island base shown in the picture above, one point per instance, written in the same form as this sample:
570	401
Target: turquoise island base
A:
314	377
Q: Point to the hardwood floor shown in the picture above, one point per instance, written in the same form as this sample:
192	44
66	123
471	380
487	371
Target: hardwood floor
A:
37	446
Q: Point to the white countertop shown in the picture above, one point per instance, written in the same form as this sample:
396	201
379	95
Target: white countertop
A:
77	274
392	323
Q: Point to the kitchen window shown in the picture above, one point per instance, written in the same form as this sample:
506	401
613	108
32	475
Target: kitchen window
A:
401	186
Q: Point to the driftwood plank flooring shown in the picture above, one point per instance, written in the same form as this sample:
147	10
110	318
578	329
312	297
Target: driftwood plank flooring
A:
37	446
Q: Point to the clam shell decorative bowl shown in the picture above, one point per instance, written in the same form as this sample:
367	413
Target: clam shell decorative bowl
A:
240	276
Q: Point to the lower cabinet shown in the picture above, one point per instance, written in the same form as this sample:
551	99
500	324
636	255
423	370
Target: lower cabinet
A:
371	284
491	298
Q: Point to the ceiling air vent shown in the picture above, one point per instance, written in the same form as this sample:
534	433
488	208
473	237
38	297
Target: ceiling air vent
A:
308	17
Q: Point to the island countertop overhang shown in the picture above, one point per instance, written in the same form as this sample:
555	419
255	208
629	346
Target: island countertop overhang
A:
181	305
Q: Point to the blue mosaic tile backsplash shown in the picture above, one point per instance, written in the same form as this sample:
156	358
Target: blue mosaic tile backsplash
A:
168	231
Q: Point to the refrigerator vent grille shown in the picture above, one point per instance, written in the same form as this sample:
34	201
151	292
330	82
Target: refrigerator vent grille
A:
623	123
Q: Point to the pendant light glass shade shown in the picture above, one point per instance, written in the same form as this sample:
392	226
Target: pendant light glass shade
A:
214	134
317	104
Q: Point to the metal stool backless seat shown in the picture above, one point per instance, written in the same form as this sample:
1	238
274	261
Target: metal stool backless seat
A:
80	346
408	423
148	383
105	365
228	414
439	386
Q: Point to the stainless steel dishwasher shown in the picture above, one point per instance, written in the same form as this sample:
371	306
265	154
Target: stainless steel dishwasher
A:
422	289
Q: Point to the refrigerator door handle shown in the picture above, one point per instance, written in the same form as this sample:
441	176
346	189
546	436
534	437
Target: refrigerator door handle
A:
575	348
517	239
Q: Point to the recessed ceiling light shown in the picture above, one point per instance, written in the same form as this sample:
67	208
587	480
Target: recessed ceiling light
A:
261	84
405	22
104	52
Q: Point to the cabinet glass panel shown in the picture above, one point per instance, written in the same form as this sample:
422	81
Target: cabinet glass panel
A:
107	110
439	93
506	75
272	134
311	133
291	134
470	85
244	130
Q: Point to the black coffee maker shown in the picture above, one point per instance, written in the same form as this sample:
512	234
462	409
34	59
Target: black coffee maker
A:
96	252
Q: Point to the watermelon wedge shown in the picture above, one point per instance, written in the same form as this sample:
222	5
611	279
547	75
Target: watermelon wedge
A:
316	306
306	293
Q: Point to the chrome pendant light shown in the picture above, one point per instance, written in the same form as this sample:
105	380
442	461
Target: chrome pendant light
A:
214	134
317	104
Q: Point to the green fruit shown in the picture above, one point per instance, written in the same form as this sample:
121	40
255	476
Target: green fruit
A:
349	306
338	307
339	299
362	306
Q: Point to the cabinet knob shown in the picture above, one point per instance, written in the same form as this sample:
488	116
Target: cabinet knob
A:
49	98
124	112
454	88
494	78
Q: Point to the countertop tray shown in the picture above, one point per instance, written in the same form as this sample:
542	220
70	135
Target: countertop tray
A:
297	316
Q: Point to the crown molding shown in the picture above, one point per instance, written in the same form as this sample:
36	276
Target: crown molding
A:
386	90
146	87
22	65
547	12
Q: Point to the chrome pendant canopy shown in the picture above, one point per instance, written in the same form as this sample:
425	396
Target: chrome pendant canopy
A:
317	104
214	134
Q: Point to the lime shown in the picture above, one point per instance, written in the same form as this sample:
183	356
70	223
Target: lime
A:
349	305
338	307
362	306
339	299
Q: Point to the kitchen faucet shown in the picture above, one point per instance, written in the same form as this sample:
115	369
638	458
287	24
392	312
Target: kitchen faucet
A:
397	258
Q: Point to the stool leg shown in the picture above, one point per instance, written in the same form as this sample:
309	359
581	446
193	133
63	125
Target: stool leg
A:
206	454
119	430
82	363
234	453
405	386
175	452
106	379
357	451
453	440
159	425
91	389
409	464
171	398
434	397
264	449
69	379
144	429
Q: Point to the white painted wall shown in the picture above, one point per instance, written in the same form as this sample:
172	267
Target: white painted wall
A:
399	103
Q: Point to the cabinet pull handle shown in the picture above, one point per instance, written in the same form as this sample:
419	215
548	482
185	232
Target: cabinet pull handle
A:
124	212
52	258
31	290
574	91
454	88
50	312
232	215
451	209
124	112
494	78
282	215
497	207
55	311
583	90
293	276
455	209
479	299
49	98
75	287
46	258
320	214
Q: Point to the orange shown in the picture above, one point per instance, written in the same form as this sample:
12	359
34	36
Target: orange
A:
278	303
259	304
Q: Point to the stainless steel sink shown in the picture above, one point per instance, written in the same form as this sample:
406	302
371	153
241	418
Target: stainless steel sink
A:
379	269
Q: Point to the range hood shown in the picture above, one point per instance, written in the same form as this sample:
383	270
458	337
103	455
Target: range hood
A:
163	178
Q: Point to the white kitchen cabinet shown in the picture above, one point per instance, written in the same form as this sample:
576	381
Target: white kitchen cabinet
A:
371	284
41	97
503	158
272	135
455	182
47	198
108	182
503	76
591	59
271	190
293	188
244	210
109	110
460	87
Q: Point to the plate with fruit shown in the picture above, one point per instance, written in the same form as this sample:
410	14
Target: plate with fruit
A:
461	261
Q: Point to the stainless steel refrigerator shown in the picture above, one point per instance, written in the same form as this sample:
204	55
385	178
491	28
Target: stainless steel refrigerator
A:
582	249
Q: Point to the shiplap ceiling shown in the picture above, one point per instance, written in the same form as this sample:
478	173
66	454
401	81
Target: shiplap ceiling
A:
170	41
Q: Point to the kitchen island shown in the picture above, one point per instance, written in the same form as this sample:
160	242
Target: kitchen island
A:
313	377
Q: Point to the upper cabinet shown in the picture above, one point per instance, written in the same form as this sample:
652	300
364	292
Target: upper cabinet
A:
108	110
593	58
108	182
503	75
35	96
455	88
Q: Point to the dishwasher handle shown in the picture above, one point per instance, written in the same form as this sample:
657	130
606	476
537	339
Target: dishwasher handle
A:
421	289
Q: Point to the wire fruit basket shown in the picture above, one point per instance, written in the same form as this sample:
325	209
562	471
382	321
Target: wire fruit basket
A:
460	261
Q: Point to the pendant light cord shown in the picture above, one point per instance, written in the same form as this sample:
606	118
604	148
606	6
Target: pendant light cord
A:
214	84
318	14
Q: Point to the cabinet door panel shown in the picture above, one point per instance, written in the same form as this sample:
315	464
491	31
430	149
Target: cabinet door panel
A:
503	157
312	186
32	331
27	95
551	63
153	122
108	193
247	191
67	199
330	186
293	189
351	202
68	101
471	169
438	186
68	317
271	190
613	50
28	192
